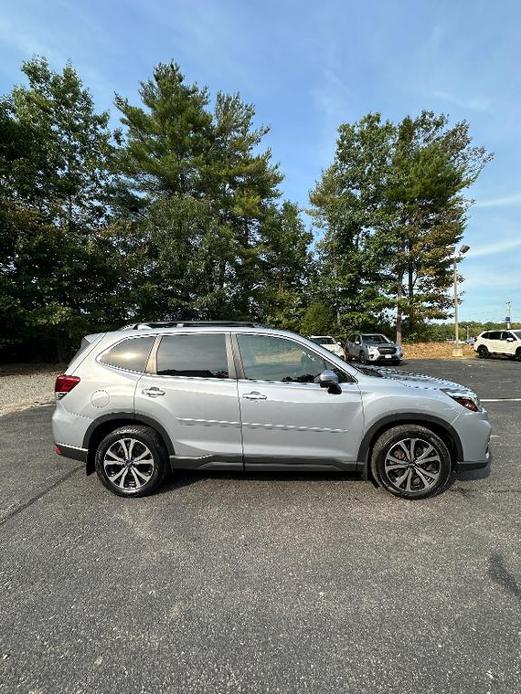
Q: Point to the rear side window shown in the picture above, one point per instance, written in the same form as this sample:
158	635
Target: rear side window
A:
193	355
494	336
131	354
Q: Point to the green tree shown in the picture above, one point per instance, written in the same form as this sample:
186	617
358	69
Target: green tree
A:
287	267
319	319
58	265
392	209
432	166
349	205
206	200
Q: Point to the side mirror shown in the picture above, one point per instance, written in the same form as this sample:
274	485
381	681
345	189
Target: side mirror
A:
510	339
329	379
357	342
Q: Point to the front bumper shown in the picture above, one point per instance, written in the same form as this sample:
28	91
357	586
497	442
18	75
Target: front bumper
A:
463	465
474	431
384	357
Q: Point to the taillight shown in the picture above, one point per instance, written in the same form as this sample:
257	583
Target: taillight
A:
64	384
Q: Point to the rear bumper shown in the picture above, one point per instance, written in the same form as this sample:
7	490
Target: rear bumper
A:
71	452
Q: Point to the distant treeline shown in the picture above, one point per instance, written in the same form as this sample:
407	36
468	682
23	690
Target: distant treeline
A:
178	214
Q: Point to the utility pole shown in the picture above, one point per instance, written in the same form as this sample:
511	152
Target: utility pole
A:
457	351
509	314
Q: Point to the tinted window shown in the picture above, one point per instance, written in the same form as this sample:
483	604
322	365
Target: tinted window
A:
266	358
375	339
131	354
517	333
193	355
494	336
485	336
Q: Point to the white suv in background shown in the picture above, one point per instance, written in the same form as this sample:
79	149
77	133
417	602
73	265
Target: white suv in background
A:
499	342
329	343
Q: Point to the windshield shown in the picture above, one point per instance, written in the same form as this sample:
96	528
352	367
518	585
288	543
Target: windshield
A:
375	339
367	370
322	340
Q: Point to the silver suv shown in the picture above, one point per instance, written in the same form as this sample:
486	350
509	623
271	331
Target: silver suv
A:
141	402
372	347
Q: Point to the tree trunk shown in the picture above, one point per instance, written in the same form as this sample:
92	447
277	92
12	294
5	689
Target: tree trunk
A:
399	313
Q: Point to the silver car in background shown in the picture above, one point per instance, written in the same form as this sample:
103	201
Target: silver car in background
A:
370	348
140	403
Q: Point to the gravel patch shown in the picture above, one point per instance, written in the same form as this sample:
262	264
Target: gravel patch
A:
23	386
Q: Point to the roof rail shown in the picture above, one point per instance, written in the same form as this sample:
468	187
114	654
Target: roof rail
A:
192	324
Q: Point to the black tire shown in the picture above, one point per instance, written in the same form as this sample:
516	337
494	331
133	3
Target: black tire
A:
517	356
146	439
483	352
426	479
362	358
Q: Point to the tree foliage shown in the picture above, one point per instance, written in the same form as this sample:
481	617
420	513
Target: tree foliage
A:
178	214
392	209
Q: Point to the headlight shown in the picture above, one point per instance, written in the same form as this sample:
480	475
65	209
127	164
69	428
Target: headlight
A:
467	399
372	350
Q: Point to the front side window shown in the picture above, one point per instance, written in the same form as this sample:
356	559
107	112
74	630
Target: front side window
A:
266	358
198	355
131	354
494	336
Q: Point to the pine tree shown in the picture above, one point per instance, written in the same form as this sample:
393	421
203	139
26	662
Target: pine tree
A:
207	198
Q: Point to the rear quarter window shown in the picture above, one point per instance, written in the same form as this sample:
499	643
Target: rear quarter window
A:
130	354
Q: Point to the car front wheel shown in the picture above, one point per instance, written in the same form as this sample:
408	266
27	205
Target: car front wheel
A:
411	461
483	352
131	461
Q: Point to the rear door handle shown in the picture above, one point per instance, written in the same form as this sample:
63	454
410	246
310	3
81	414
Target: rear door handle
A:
255	395
153	392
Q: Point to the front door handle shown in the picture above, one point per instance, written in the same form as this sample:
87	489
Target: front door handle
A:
254	395
153	392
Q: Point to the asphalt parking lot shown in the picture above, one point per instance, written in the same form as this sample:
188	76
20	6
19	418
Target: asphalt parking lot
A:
263	583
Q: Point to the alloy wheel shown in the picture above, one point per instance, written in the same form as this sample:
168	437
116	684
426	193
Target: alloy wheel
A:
128	464
413	465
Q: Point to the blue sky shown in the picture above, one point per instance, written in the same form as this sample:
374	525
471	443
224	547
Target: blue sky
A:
308	66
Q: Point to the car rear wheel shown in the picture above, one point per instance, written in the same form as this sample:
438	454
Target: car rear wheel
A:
483	352
411	461
131	461
518	354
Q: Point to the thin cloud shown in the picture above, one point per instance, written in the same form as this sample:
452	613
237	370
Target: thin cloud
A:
501	201
473	103
494	248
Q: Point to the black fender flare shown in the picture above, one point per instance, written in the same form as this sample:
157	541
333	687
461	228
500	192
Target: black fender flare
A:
405	418
137	418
